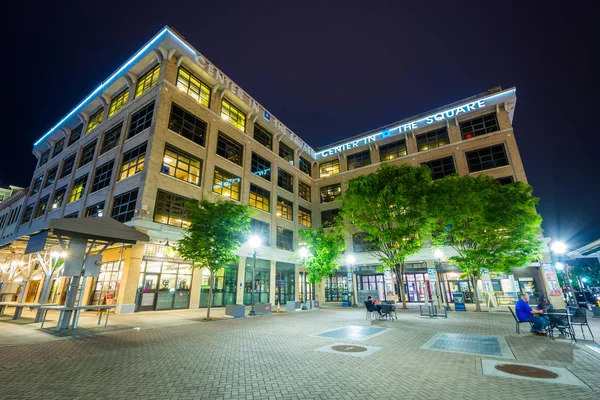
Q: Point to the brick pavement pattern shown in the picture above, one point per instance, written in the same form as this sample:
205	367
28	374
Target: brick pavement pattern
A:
274	357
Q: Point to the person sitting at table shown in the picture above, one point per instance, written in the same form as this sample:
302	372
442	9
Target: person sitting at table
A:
372	304
527	314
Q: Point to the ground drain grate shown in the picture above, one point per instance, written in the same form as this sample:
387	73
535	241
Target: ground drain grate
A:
526	371
349	349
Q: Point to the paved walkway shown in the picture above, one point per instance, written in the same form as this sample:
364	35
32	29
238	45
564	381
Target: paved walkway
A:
275	357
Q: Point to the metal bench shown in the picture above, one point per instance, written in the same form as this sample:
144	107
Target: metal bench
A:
77	309
18	307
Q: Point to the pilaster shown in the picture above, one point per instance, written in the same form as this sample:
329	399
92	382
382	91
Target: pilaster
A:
239	292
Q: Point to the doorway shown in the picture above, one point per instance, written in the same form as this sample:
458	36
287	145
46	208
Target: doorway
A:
149	287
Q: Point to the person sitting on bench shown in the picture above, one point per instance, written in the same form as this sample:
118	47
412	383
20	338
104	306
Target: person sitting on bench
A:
372	305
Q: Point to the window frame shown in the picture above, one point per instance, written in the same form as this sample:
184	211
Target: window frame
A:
187	87
286	152
260	230
392	149
102	176
332	196
77	189
178	155
302	216
329	164
44	157
285	208
56	197
95	120
256	162
301	186
236	182
187	125
259	198
75	134
439	167
282	182
117	208
481	162
236	112
118	102
41	206
67	162
230	149
431	139
86	156
127	164
169	205
358	160
89	210
58	147
141	120
147	81
110	138
264	137
325	222
47	179
305	166
486	123
282	239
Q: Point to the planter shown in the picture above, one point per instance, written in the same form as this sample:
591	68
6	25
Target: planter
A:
262	308
294	305
235	311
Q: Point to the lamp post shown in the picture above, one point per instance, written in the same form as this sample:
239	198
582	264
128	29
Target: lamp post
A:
560	248
350	259
303	254
254	242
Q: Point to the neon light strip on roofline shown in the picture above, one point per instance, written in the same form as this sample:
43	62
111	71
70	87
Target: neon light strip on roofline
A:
412	125
116	75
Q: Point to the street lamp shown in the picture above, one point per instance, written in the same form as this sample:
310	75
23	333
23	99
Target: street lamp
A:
558	247
350	259
254	242
303	254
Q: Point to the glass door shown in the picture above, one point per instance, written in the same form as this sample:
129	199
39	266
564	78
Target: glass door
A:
148	287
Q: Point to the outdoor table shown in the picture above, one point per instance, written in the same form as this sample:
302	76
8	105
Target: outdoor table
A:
100	308
557	316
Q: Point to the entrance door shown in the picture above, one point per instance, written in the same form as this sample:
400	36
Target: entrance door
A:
32	291
148	295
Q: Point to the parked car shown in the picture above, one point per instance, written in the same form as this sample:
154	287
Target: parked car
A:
585	298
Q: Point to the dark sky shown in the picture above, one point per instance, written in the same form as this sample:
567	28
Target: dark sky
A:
330	70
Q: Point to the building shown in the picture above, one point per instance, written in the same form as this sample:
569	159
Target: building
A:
168	125
6	192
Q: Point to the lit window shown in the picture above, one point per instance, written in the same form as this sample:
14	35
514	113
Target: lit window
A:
330	193
392	150
304	191
141	120
146	81
260	167
187	125
441	168
193	86
304	216
262	136
37	184
124	206
181	165
95	120
234	115
170	209
479	126
59	197
133	161
226	184
261	229
78	189
433	139
40	210
358	160
97	210
118	102
285	209
111	138
329	168
285	180
102	176
87	154
260	198
230	149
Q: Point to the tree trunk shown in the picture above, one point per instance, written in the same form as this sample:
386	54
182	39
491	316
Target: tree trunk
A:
210	293
399	271
474	280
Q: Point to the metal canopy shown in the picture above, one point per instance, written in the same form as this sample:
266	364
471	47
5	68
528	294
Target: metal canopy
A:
100	229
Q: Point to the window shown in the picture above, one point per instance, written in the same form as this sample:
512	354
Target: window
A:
260	167
260	198
97	210
27	214
59	197
305	166
506	180
285	180
226	184
102	176
95	120
286	152
304	191
72	215
51	176
234	115
124	206
441	167
42	205
14	214
262	136
181	165
487	158
44	158
37	184
118	102
304	216
432	139
262	230
479	126
78	189
230	149
187	125
328	217
170	209
285	239
87	154
360	244
75	134
330	193
392	150
358	160
67	166
285	209
58	147
111	138
329	168
133	161
107	283
146	81
193	86
141	120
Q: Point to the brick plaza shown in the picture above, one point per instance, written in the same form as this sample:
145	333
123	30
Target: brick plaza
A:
275	357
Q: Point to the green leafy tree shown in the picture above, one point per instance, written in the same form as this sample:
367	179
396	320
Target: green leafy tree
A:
390	206
325	249
217	230
489	225
588	268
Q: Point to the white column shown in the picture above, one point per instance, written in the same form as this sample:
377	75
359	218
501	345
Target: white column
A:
239	293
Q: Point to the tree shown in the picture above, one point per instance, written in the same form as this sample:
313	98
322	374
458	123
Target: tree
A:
216	231
390	206
587	268
489	225
325	249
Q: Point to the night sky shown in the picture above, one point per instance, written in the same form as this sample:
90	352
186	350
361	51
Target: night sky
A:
330	70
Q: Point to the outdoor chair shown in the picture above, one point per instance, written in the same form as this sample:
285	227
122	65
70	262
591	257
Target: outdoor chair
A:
389	311
580	318
564	325
371	310
518	322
